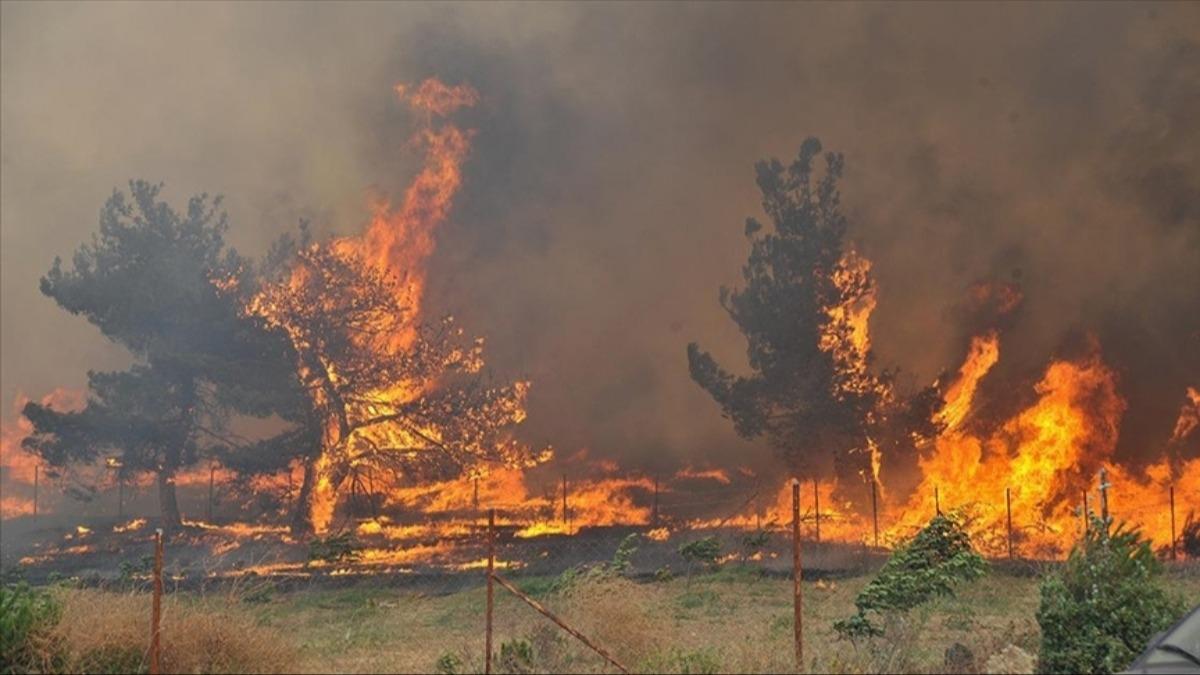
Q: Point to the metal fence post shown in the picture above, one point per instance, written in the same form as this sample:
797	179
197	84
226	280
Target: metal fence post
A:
1008	506
1172	498
491	562
156	604
817	507
797	601
874	511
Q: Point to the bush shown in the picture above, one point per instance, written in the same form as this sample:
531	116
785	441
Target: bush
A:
704	551
930	565
1098	612
516	656
26	614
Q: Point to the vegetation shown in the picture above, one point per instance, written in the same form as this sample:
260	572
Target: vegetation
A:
1100	610
314	336
811	393
89	631
25	615
928	566
701	551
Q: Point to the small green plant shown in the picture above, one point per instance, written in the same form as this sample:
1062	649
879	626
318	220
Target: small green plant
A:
622	558
701	551
132	570
448	664
664	574
335	548
24	613
1099	611
619	565
753	542
702	662
930	565
516	656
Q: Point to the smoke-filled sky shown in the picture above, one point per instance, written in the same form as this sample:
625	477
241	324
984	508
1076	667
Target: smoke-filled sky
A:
1052	146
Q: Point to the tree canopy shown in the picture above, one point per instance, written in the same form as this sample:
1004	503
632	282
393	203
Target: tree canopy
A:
803	310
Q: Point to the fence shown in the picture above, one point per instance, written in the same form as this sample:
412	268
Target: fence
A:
581	599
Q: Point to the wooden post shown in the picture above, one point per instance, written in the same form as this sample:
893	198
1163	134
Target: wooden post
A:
212	472
1172	499
491	575
566	518
1008	506
937	504
156	606
797	598
475	498
36	475
654	507
874	511
817	507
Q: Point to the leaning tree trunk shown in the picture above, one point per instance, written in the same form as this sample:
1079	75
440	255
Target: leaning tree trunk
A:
167	502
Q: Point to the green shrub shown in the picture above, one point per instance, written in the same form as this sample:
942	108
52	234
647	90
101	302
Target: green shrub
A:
25	614
618	566
448	664
1099	611
516	656
928	566
703	551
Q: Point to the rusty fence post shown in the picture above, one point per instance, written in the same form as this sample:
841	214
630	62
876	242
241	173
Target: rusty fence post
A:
1171	493
156	604
212	472
491	576
654	507
565	517
1008	507
797	597
817	508
875	510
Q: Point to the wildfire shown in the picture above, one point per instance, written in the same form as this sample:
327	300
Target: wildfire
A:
17	467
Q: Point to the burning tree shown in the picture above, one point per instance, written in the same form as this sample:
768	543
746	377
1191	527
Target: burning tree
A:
388	392
804	311
144	281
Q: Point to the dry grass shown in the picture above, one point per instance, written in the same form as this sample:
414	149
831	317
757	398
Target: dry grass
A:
731	621
109	632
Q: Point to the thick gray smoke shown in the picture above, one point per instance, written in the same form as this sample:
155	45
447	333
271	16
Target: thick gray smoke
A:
1055	147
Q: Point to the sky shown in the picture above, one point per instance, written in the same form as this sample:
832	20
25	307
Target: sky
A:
1053	146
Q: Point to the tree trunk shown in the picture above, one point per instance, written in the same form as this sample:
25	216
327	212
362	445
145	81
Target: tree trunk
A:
167	502
302	509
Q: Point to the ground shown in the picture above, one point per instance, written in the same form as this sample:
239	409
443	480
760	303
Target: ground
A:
730	620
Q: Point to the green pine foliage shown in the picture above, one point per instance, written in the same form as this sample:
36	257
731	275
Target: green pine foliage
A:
1099	611
930	565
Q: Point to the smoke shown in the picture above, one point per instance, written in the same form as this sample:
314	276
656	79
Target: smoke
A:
1048	147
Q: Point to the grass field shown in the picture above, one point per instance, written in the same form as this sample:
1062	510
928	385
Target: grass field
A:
732	620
